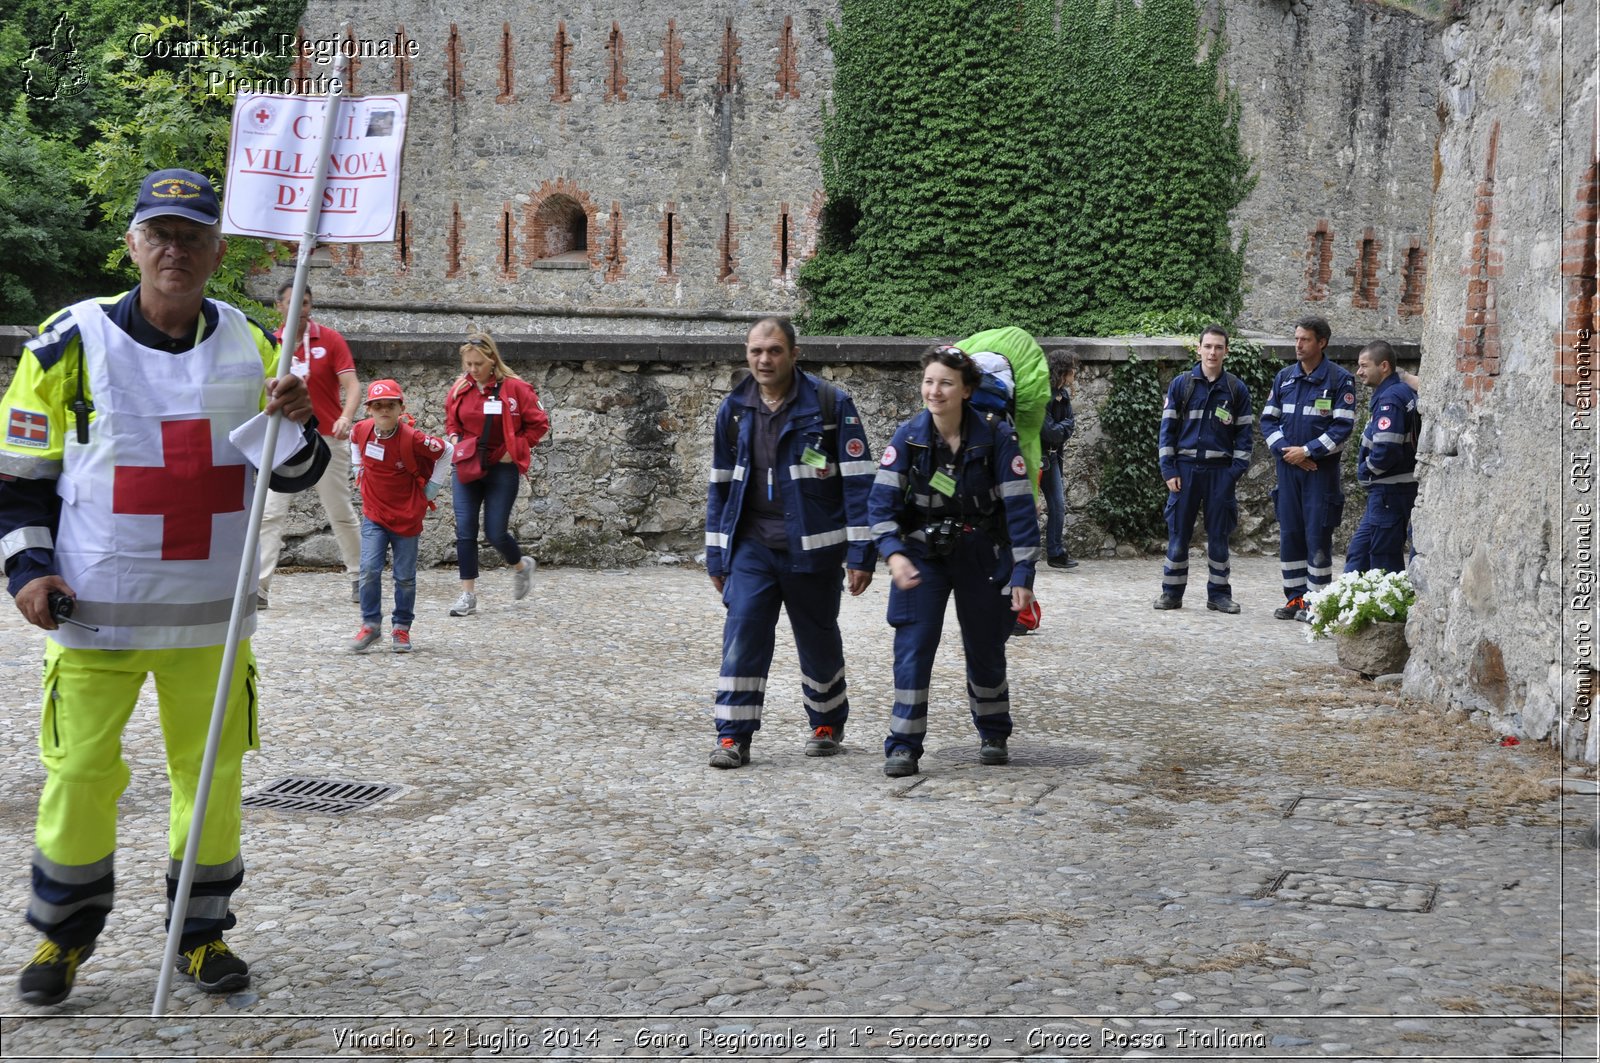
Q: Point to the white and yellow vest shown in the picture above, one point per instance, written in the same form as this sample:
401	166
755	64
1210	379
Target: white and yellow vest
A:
155	504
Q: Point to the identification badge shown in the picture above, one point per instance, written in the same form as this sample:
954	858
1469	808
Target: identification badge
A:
491	407
814	458
1224	415
942	483
300	369
1323	405
373	450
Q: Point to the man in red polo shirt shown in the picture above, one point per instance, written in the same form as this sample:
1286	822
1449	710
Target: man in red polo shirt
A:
322	359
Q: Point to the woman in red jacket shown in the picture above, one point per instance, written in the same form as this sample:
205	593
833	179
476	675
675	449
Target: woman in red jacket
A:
493	418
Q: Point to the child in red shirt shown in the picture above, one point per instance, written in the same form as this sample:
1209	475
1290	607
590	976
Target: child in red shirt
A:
398	470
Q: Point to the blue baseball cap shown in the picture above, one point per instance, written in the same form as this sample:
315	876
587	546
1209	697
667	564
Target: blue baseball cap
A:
177	194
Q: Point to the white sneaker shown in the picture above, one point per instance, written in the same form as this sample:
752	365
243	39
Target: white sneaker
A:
465	605
522	578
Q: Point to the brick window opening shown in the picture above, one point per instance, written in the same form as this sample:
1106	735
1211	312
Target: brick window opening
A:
300	70
781	237
728	63
616	80
1413	278
1478	338
615	258
454	83
1364	273
402	238
402	60
561	234
560	76
726	249
669	225
508	254
788	65
1319	262
354	63
507	82
671	63
453	242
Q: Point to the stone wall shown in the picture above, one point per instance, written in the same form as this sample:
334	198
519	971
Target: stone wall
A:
1505	562
704	118
621	478
1337	111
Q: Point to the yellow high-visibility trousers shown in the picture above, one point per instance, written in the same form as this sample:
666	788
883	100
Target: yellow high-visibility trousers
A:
89	695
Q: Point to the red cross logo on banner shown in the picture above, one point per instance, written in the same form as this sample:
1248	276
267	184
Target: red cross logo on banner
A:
187	491
262	116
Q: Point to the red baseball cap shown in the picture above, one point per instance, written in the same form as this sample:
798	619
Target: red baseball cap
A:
379	390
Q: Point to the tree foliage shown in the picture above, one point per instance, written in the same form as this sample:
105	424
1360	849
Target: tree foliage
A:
993	163
90	105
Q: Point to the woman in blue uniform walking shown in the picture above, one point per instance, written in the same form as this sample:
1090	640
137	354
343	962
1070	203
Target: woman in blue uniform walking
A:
952	511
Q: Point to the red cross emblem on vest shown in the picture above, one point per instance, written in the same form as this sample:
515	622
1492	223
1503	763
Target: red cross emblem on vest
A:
187	490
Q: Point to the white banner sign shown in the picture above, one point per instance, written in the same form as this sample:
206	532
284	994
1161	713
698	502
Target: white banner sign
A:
272	158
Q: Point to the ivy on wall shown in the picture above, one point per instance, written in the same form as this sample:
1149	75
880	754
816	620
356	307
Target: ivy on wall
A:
1065	169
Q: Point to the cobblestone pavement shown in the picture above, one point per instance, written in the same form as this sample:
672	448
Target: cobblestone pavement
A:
1212	843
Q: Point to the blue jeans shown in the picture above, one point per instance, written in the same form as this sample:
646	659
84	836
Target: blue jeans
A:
494	494
376	542
1054	489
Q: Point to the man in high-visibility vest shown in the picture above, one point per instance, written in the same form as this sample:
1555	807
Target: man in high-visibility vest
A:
123	506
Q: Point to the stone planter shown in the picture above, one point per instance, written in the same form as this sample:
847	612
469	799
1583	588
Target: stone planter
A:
1377	649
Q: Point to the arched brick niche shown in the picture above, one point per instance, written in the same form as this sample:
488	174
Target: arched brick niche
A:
560	228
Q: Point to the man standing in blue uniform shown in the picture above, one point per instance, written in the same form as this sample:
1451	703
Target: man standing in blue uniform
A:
786	508
1205	443
1387	464
1306	421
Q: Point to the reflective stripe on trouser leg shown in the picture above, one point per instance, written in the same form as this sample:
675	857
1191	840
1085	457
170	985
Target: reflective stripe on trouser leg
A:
1180	511
88	697
984	613
753	596
917	616
812	601
186	682
1291	530
1323	506
1222	516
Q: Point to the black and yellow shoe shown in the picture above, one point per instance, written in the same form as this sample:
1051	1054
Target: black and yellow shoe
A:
48	977
214	967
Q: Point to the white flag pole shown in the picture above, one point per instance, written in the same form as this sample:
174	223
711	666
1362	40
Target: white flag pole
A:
247	561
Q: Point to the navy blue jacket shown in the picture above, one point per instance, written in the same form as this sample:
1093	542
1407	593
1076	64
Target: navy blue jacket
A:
990	475
1389	445
825	508
1215	428
1315	410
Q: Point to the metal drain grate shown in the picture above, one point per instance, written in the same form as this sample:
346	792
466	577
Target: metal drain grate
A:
1358	811
1026	756
1351	891
329	797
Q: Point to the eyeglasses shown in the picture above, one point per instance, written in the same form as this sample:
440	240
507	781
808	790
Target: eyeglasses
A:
477	341
951	351
188	239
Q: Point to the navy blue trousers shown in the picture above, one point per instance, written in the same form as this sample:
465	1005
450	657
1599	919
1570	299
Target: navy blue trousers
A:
1380	541
983	609
1209	487
1310	506
758	584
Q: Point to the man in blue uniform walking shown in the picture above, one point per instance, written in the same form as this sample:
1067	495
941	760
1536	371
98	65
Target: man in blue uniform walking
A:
1306	421
786	510
1387	464
1204	448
